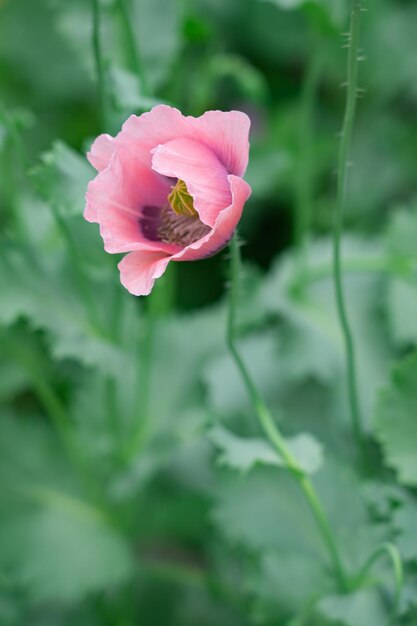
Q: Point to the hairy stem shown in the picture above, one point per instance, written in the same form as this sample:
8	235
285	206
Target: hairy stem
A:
270	428
342	185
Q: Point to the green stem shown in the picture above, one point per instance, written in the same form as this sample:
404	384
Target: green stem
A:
99	63
270	428
393	554
342	185
304	187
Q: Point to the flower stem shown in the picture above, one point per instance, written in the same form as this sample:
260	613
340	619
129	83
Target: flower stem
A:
270	428
342	185
393	554
304	187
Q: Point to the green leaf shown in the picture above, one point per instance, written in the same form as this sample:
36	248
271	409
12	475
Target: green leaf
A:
243	453
12	379
287	584
127	92
402	311
226	390
265	509
314	346
47	298
264	514
365	607
405	523
193	339
401	296
62	177
64	550
409	594
53	541
395	421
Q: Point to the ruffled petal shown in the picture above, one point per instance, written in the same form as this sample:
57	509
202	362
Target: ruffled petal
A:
101	152
224	227
204	175
139	270
159	125
225	133
116	197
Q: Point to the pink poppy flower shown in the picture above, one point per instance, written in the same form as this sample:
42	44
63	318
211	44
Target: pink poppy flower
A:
168	188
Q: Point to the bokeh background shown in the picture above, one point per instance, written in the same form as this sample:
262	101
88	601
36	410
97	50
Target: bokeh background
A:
124	498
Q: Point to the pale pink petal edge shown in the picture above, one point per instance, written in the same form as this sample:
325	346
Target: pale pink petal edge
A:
101	151
139	270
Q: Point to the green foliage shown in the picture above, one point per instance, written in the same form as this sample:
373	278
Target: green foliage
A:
54	542
136	485
243	453
357	609
63	177
395	422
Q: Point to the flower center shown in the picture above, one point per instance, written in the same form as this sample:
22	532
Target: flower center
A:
181	201
177	223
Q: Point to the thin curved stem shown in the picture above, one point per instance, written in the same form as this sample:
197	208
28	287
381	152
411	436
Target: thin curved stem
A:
391	551
342	185
271	430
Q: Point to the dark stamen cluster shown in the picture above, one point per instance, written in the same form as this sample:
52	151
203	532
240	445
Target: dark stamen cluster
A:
162	224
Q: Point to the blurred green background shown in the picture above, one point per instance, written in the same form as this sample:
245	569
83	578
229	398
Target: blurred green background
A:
123	498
